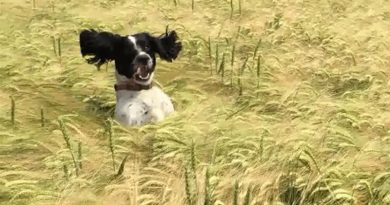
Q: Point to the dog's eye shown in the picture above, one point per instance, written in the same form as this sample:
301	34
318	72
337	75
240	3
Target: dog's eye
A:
147	48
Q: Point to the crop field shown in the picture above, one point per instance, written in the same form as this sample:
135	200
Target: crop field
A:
278	102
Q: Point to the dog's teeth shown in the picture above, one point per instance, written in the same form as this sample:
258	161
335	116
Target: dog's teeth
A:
144	78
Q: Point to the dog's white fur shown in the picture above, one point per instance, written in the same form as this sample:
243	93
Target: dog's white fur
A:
141	107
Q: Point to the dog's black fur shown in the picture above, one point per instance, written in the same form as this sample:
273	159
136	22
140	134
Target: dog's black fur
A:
106	46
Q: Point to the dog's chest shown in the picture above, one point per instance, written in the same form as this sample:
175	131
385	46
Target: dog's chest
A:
141	107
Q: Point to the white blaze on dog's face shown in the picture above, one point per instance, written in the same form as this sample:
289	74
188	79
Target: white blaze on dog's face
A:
144	61
134	55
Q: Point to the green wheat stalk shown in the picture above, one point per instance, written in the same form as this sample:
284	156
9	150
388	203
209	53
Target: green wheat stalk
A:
232	63
258	70
231	9
311	156
214	154
187	186
222	67
122	166
54	45
247	198
208	195
238	33
110	141
42	118
233	55
220	31
193	159
235	192
240	75
256	48
66	172
80	155
210	55
353	59
12	110
216	57
240	7
59	48
261	147
67	140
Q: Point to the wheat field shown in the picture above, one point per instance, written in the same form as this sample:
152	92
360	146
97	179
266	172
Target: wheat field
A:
278	102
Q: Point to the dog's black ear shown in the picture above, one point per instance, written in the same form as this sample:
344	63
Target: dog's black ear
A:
167	46
103	46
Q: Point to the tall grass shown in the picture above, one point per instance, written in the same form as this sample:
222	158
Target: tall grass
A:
42	118
231	9
236	192
210	54
12	110
109	131
303	120
122	167
188	187
68	145
258	71
240	74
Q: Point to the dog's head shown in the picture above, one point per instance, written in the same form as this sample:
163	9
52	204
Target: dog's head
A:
134	55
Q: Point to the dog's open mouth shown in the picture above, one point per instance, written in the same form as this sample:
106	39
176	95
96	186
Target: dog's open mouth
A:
142	73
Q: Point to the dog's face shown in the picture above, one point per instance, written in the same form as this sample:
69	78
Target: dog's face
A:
134	55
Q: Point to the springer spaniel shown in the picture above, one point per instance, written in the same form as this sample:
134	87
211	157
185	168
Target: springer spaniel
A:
138	102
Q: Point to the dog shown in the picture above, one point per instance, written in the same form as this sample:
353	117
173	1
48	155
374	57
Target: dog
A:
138	102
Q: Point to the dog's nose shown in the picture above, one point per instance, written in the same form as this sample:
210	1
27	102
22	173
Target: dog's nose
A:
142	59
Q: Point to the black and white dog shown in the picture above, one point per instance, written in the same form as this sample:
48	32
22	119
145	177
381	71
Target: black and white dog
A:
138	102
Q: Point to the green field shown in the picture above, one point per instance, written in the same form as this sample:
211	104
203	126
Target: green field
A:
278	102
